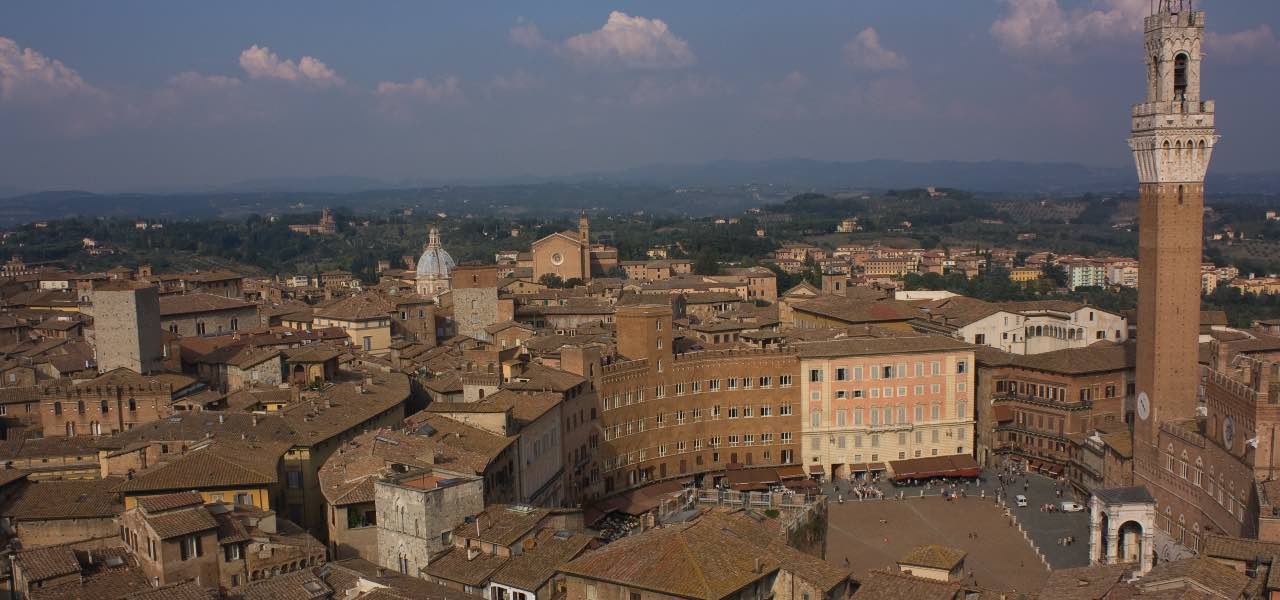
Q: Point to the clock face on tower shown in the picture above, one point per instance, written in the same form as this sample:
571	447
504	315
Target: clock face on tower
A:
1144	406
1228	431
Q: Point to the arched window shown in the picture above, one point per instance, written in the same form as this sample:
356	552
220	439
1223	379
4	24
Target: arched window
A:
1180	76
80	406
103	408
133	404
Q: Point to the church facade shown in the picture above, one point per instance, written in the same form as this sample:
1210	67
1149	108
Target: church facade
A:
571	255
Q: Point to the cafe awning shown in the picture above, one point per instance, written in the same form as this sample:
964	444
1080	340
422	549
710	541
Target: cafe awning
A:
935	466
791	472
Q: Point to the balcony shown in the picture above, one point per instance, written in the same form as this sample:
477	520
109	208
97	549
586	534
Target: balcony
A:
1042	402
1036	432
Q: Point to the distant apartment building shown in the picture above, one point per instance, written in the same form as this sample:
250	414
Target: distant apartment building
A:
1025	274
1084	273
1257	285
889	267
1123	273
327	225
849	225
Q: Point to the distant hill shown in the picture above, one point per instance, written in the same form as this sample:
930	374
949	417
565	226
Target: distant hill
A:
721	187
989	176
6	191
337	184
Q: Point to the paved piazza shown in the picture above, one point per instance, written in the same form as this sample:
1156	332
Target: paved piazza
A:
999	558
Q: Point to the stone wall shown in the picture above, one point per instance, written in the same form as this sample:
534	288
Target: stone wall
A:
52	532
412	521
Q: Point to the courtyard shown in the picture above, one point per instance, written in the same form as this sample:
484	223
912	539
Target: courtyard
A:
874	534
999	556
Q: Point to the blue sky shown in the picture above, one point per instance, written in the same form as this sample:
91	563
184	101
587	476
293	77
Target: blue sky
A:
146	94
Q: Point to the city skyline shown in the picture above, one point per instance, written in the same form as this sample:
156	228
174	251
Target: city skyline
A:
111	99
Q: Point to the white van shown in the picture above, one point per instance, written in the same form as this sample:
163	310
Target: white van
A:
1020	500
1071	507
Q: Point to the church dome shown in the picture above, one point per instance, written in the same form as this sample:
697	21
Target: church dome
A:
435	262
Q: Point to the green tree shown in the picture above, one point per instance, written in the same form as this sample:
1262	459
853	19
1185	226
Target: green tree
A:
1055	274
551	280
707	262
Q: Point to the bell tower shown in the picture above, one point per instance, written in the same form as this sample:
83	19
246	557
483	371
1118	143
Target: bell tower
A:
584	245
1172	140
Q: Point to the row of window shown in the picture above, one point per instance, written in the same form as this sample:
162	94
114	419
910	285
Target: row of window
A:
630	397
103	407
1195	474
891	371
1052	393
629	458
201	329
888	415
695	415
713	442
887	392
840	441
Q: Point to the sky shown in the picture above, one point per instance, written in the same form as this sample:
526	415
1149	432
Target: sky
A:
151	94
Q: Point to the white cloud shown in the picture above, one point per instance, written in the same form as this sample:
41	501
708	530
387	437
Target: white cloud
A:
515	81
27	75
403	100
1244	46
634	42
865	52
1043	27
191	80
654	91
527	35
447	89
259	62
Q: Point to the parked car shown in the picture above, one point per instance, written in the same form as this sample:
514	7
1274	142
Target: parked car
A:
1071	507
1020	500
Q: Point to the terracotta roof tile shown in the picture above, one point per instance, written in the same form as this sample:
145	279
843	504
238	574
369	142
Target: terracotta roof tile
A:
1084	583
76	499
360	307
223	464
531	569
454	565
199	302
933	556
857	346
182	591
892	585
305	584
155	504
181	522
45	563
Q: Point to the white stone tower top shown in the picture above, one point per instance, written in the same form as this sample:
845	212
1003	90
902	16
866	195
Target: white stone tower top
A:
1173	135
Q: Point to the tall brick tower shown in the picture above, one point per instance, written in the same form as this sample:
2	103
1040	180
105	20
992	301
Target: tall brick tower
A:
1172	140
